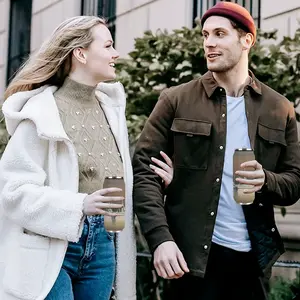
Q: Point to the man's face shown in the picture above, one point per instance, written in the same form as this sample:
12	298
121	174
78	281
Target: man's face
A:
222	44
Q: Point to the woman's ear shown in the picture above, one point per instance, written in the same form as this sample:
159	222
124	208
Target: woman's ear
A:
80	55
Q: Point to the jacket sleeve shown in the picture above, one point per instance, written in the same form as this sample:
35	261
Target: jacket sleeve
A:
148	193
284	184
26	200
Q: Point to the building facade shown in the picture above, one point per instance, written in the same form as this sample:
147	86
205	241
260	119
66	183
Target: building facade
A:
25	24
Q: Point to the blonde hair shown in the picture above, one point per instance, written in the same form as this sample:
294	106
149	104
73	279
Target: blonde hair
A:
52	62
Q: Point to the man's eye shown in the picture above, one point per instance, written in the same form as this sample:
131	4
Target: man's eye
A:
220	34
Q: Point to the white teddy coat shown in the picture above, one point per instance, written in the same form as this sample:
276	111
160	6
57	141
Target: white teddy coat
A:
40	207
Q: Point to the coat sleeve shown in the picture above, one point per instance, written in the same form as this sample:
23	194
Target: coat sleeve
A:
284	184
148	193
26	200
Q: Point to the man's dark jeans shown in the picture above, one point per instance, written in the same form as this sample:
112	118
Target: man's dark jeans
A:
230	275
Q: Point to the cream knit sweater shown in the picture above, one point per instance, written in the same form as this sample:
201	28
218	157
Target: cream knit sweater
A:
86	125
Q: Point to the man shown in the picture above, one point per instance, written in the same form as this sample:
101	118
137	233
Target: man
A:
211	247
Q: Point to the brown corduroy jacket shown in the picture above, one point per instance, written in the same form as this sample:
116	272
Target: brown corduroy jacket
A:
189	124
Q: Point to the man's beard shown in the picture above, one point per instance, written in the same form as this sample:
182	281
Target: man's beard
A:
227	65
222	68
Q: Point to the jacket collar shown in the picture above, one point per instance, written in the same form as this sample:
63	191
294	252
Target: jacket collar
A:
210	84
40	107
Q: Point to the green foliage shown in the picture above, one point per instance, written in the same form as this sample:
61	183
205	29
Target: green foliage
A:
3	135
163	59
276	64
283	289
158	61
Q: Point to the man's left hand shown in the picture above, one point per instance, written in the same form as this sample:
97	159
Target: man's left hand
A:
256	178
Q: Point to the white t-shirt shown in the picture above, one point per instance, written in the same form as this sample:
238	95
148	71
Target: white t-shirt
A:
230	228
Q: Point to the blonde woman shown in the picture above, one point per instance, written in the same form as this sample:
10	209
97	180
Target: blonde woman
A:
68	131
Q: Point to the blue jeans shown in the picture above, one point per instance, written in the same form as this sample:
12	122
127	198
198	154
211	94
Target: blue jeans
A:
88	269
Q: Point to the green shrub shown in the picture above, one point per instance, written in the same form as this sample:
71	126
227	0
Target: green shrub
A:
164	59
284	289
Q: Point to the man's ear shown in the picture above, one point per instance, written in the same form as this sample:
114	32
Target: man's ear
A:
247	41
80	55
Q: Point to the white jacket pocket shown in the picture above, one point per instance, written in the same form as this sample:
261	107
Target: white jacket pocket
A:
26	265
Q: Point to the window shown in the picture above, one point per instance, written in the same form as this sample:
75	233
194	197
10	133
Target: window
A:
107	9
101	8
253	6
19	35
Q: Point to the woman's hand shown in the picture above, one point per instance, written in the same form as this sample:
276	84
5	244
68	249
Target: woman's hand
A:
96	203
166	168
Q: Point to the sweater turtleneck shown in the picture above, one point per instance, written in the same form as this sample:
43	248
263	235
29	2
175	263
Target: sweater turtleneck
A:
87	127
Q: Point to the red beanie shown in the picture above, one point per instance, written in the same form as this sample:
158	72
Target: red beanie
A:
234	12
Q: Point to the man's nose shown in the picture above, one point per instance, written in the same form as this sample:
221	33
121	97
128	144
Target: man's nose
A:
210	42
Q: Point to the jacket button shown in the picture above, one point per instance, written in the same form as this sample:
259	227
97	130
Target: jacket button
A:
260	204
212	213
205	247
221	147
223	115
273	229
218	179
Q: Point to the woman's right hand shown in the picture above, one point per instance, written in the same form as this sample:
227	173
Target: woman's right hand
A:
164	170
97	202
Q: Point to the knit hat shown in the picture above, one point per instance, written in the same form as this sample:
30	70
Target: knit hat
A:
234	12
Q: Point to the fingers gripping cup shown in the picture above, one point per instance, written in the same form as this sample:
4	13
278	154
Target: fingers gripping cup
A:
115	223
240	156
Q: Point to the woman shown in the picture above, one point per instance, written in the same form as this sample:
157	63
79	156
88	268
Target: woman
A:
68	132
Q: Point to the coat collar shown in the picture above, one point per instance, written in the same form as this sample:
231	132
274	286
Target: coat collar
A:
210	84
40	106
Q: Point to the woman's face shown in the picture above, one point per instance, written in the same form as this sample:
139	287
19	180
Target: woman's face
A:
100	56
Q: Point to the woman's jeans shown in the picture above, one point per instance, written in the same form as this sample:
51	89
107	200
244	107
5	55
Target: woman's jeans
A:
89	266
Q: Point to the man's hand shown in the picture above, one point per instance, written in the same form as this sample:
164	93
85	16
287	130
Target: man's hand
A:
256	178
169	262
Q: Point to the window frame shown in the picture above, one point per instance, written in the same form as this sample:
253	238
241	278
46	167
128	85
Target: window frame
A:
109	7
19	36
200	6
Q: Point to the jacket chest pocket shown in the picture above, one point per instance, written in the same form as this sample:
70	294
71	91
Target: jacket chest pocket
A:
192	140
270	143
